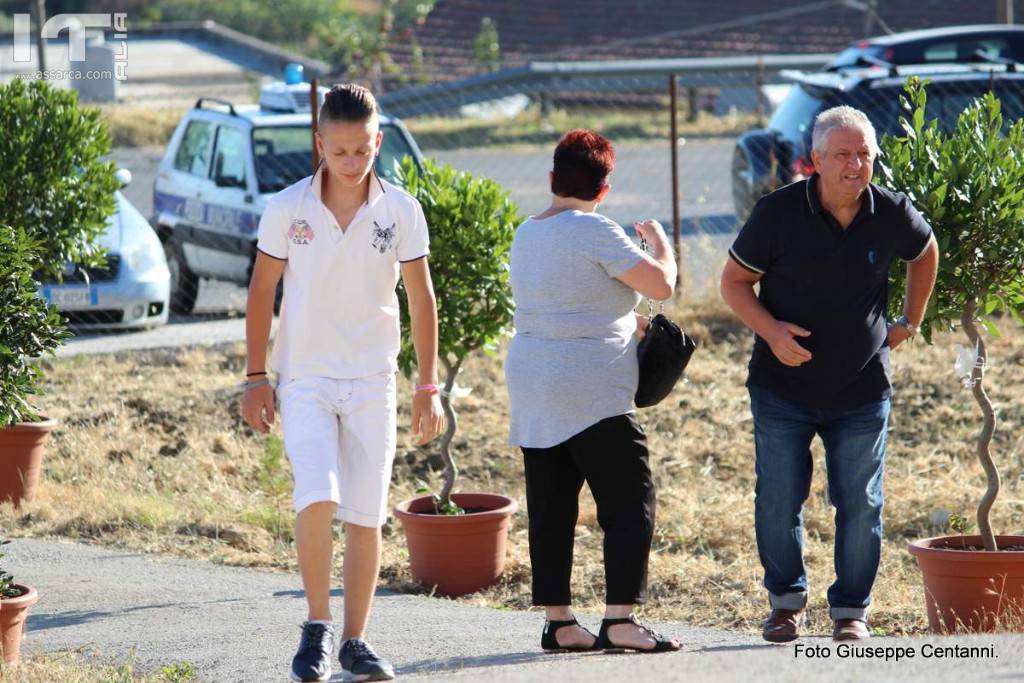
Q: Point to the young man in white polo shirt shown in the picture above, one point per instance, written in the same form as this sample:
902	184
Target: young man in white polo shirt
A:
340	239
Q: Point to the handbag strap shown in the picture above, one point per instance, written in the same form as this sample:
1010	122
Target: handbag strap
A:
650	301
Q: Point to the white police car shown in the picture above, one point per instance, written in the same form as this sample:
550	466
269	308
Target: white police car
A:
132	291
222	165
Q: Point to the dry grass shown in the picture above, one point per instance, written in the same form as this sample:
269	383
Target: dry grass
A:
152	455
138	126
85	667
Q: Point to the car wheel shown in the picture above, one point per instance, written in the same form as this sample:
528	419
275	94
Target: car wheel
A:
184	283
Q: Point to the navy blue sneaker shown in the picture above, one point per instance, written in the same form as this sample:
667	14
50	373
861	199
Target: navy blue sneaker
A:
313	660
360	663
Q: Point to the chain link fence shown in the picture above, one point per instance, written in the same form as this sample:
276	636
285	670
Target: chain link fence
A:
733	128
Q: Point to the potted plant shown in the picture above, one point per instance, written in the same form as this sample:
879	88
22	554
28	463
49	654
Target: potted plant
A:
969	184
15	599
29	328
56	193
457	540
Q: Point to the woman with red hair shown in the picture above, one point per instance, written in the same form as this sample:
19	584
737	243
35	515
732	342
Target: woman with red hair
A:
572	374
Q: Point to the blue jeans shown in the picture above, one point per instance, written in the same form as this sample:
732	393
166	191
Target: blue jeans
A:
854	440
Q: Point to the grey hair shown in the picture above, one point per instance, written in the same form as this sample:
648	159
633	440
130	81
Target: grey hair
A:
838	118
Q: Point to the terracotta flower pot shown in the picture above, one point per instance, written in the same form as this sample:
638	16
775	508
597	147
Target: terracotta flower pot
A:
971	589
21	459
12	621
459	554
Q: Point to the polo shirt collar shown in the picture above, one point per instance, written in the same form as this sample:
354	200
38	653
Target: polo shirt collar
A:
377	190
814	201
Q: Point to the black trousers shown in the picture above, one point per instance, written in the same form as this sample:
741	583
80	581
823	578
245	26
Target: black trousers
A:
611	456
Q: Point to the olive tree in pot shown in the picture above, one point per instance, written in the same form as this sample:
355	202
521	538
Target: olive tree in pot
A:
15	599
457	541
969	184
56	193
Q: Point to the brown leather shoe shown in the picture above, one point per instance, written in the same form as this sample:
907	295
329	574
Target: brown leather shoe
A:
783	625
850	629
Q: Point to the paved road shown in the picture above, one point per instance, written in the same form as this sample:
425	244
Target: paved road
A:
194	331
235	624
143	162
641	182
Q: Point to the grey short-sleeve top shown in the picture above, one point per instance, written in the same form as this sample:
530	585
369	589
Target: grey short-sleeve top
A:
572	361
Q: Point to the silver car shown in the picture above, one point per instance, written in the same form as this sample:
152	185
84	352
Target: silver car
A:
132	291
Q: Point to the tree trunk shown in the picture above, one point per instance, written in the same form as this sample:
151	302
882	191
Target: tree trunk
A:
988	428
451	472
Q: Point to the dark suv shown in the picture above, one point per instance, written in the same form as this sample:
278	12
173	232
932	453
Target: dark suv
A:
949	44
768	158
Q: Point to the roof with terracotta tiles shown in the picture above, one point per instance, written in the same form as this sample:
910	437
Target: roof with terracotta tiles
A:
531	30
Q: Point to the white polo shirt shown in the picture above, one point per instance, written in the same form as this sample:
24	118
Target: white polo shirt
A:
339	317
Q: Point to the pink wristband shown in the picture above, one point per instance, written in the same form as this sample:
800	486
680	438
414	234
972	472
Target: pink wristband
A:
430	388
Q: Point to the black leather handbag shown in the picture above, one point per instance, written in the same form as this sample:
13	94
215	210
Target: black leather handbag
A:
662	355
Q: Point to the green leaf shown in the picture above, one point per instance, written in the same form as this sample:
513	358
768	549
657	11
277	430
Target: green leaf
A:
918	120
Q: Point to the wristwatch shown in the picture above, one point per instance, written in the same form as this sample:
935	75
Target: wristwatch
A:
905	323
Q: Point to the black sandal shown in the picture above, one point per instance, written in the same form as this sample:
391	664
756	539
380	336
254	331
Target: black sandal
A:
661	643
549	642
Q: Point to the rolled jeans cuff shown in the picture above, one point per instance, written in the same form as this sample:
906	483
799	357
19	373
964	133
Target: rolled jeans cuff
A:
848	613
788	600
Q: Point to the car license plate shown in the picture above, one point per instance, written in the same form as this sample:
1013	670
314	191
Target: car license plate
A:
71	297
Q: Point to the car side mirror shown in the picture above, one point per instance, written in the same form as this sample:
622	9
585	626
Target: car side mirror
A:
124	176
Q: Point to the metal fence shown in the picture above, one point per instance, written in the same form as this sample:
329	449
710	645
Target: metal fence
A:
682	131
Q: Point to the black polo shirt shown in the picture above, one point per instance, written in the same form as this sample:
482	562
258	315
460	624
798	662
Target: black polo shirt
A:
831	282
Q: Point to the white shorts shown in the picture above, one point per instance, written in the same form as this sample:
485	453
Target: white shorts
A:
340	437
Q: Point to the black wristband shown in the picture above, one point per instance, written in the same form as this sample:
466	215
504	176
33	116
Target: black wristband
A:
253	374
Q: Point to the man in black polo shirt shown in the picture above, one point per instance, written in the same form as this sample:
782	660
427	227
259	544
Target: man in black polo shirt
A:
821	250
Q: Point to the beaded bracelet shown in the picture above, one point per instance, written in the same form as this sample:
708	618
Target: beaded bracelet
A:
429	388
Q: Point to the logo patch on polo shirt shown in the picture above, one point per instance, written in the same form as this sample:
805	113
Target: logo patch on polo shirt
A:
383	237
299	232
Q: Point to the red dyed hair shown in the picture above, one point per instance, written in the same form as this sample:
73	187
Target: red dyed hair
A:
583	161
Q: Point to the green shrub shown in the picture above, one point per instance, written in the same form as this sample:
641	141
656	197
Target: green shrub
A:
29	327
54	184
